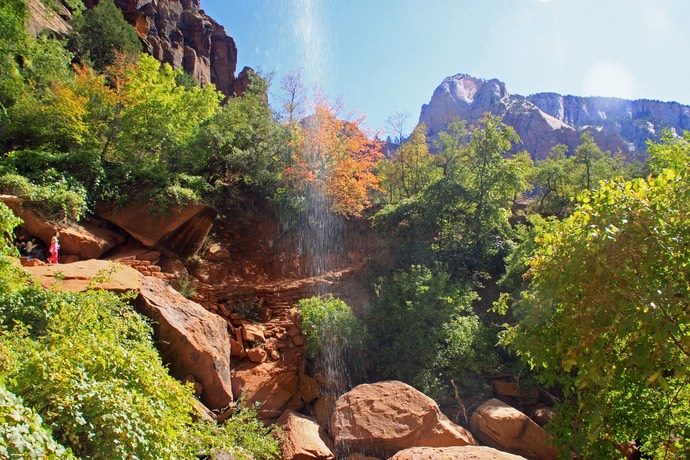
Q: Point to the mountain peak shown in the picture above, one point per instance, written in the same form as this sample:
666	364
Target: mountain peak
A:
546	119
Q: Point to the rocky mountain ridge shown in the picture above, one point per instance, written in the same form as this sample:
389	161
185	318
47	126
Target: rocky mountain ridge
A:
545	119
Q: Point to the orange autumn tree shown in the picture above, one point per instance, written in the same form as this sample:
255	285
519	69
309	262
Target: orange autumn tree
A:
335	158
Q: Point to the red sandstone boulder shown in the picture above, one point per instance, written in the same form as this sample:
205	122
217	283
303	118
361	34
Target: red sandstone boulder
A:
454	453
189	338
33	223
88	274
180	231
272	384
88	241
499	425
383	418
216	253
303	439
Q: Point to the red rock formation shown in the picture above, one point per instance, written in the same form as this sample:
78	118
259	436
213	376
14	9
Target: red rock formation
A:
180	231
454	453
383	418
79	276
499	425
192	340
180	33
303	439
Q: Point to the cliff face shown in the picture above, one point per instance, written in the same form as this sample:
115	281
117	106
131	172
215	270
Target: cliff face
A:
635	121
180	33
546	119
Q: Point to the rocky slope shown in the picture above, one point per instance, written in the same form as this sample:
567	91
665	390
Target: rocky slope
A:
546	119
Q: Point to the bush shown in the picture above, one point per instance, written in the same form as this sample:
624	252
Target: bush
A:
335	339
95	377
425	333
22	432
329	323
56	201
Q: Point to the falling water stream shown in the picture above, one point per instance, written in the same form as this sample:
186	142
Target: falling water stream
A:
321	232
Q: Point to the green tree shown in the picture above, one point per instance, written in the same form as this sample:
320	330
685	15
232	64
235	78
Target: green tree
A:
553	178
605	316
461	218
101	33
13	13
410	168
424	332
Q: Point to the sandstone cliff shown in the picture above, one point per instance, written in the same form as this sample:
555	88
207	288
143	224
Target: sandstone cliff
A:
180	33
546	119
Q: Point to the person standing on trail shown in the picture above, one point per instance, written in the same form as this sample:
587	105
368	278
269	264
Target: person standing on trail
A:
54	247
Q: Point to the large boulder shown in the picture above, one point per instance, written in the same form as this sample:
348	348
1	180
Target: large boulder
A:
88	241
180	231
383	418
499	425
454	453
192	340
303	439
273	385
88	274
32	221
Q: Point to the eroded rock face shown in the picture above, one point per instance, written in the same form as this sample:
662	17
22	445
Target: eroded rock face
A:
303	438
192	340
180	231
383	418
454	453
180	33
272	384
503	427
636	121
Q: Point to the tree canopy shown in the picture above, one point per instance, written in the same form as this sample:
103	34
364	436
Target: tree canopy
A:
605	315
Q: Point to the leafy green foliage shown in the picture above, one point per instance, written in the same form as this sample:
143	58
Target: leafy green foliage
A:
329	323
101	33
410	168
461	219
605	317
423	332
243	435
560	178
22	432
12	30
95	377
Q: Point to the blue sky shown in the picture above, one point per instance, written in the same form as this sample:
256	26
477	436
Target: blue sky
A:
386	56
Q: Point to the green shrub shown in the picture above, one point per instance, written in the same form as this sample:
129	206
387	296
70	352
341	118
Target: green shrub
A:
96	379
424	332
242	435
329	323
56	201
22	432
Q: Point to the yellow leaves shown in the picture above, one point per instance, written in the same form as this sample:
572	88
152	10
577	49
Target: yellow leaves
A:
568	364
